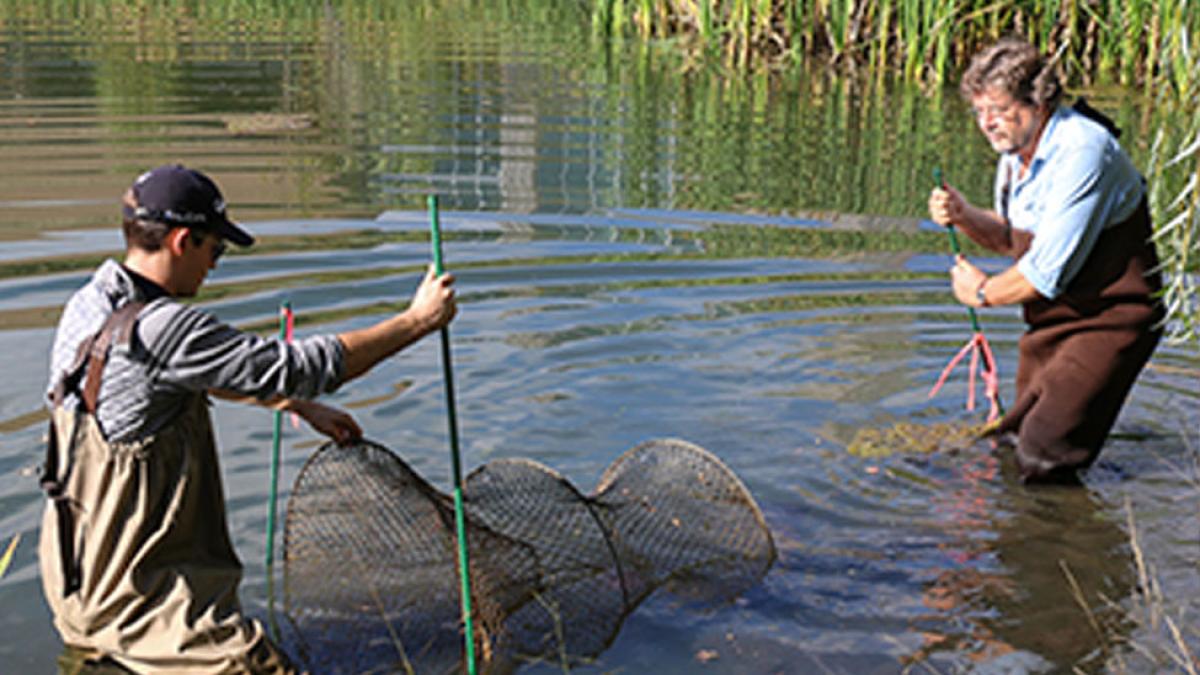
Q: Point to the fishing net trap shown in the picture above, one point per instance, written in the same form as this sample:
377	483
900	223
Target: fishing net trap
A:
371	576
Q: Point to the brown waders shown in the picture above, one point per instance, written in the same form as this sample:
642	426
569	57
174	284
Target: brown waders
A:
136	561
1083	351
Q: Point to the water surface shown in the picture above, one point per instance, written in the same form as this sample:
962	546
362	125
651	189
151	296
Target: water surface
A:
643	251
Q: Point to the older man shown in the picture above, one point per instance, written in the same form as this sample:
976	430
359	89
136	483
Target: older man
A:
1070	208
136	559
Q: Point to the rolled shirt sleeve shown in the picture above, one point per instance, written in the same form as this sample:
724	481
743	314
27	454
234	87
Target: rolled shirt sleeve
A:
1072	218
1080	182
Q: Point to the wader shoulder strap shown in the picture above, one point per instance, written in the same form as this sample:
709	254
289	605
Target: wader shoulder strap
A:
94	352
1084	108
119	327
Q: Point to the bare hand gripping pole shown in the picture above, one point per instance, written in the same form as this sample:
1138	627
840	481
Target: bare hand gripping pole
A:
977	346
372	569
452	424
376	574
937	178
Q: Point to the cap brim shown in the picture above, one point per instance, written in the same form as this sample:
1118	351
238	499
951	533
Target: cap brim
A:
230	230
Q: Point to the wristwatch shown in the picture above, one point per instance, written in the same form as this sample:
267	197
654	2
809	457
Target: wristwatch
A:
980	295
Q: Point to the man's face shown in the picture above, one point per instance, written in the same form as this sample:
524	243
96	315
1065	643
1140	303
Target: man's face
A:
1008	124
198	259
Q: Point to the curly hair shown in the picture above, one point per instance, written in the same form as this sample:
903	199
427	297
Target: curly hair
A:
1014	66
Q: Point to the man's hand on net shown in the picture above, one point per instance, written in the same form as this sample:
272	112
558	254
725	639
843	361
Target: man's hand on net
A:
335	423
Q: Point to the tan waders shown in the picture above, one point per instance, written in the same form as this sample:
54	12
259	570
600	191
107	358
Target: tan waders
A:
136	561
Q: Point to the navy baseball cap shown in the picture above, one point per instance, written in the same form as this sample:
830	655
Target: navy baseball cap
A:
183	197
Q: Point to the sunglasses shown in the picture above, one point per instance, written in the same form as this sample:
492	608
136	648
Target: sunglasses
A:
218	248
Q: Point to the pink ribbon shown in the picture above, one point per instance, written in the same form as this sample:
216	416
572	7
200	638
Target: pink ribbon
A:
977	346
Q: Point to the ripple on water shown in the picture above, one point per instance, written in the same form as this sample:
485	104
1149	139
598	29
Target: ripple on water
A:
636	260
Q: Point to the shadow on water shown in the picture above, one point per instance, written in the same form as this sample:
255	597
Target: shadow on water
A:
643	252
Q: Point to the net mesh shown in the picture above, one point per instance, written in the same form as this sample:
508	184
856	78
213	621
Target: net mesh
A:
371	576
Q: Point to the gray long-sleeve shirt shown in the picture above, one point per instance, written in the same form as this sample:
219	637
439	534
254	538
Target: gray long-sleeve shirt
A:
178	350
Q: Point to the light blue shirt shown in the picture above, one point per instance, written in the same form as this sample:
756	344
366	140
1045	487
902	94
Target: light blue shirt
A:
1079	183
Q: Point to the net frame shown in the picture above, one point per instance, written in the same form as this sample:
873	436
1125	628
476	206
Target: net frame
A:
554	572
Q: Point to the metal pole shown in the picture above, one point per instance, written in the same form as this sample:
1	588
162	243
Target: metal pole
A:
455	457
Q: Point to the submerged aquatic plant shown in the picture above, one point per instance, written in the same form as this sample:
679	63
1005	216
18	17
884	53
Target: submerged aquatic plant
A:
905	437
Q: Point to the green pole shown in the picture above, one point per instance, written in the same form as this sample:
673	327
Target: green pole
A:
460	527
937	178
284	309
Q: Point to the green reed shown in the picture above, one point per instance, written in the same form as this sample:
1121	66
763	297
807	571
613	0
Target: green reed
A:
898	48
1174	179
1123	42
1105	40
1119	41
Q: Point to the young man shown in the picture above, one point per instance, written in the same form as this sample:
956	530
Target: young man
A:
137	564
1070	208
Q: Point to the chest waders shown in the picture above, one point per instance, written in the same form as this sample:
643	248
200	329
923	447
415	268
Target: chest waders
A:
1083	351
137	565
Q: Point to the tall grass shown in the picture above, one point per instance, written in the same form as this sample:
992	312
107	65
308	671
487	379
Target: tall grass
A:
1126	42
360	44
1174	177
1105	40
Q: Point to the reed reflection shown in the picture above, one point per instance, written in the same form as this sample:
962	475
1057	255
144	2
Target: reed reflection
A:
1034	574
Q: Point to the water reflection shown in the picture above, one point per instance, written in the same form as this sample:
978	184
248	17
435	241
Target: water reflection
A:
346	112
644	250
1036	575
